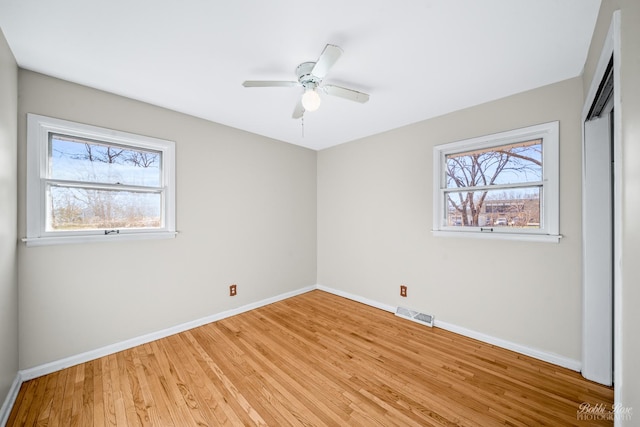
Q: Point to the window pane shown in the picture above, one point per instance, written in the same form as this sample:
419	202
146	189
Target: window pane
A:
507	164
518	208
88	209
77	159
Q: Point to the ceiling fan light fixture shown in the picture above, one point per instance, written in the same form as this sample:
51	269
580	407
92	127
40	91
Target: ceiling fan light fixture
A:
310	75
311	100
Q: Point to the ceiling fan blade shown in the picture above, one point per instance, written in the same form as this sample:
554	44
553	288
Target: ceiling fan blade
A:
266	83
342	92
298	111
328	57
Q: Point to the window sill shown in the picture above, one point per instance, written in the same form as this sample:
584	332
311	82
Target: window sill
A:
547	238
62	240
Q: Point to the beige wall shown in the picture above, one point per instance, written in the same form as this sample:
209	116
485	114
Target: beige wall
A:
8	209
246	213
375	216
627	385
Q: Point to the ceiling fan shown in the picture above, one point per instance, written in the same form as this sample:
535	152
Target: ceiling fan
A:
310	75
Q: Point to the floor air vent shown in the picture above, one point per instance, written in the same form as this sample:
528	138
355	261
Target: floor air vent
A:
425	319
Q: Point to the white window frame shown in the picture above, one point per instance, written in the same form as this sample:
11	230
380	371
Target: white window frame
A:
550	200
38	130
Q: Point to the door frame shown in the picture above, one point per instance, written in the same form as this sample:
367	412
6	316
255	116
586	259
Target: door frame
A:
610	49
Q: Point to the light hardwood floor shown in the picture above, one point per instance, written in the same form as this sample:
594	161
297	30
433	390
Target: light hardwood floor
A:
315	359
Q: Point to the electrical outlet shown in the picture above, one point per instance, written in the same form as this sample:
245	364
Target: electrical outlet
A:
403	290
233	290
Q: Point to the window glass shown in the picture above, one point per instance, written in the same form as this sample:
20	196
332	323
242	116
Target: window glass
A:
506	164
482	169
84	209
83	160
499	208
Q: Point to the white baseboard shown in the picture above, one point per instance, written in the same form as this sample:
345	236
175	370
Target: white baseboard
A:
5	410
565	362
556	359
47	368
357	298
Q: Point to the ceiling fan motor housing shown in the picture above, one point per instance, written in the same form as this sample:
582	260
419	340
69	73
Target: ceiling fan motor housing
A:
306	79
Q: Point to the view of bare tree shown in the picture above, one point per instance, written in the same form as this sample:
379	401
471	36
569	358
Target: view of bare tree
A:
142	158
104	154
85	206
484	168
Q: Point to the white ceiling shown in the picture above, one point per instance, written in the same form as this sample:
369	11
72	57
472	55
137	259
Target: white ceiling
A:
416	58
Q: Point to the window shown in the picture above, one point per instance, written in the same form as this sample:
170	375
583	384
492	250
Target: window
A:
504	185
86	183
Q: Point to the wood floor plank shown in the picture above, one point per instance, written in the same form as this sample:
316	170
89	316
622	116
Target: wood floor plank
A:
23	404
129	390
30	415
245	378
156	394
41	412
202	397
59	394
87	393
288	383
75	418
108	392
170	382
150	415
217	398
98	395
229	371
314	359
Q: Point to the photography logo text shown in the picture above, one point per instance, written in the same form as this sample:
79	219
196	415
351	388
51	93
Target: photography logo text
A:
600	411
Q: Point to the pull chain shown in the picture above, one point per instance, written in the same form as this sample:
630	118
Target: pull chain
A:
303	125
